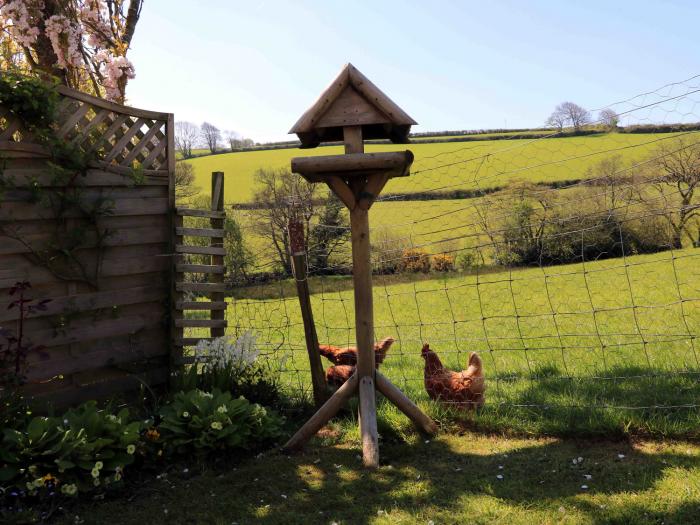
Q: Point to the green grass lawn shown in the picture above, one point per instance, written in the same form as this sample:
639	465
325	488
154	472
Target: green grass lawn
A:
451	166
565	347
448	480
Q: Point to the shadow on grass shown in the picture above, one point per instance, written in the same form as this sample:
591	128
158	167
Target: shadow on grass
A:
443	480
624	400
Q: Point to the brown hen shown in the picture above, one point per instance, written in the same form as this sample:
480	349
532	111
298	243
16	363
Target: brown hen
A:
463	389
345	359
348	355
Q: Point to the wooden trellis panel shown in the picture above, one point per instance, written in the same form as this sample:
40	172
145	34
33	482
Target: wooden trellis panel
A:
214	288
116	337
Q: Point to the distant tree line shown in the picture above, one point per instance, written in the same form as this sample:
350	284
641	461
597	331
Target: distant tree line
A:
190	136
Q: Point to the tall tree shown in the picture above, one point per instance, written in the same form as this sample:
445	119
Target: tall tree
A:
184	181
609	118
569	113
280	196
674	173
211	136
83	43
186	135
331	232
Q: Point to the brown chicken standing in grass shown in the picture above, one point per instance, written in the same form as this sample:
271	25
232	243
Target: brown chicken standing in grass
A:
463	389
345	359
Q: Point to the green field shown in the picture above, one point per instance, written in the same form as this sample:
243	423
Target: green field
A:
453	165
614	333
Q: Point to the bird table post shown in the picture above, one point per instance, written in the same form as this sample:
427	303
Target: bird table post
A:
352	109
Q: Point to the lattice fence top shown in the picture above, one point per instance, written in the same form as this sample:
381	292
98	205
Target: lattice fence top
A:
124	137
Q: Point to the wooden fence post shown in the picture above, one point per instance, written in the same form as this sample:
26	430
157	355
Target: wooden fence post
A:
217	204
299	263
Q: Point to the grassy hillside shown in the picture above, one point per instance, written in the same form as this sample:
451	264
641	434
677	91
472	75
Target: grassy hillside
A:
451	166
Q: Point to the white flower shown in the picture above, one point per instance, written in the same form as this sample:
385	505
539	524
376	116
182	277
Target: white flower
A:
131	449
222	409
185	414
95	473
216	425
99	465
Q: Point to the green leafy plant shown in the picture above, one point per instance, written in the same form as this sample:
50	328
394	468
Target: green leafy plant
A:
84	449
205	422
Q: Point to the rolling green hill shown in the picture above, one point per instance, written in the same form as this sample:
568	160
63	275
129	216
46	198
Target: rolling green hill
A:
452	166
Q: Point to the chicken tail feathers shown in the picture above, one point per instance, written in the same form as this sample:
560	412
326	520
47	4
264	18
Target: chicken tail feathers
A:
475	363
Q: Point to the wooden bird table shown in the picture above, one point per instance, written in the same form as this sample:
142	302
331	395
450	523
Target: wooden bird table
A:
351	107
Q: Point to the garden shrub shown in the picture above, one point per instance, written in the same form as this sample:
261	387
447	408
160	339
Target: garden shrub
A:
442	262
205	422
415	260
466	260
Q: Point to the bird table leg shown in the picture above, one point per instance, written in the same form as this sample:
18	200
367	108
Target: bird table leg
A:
329	409
403	403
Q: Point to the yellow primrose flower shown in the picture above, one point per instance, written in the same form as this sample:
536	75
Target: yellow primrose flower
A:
222	409
185	414
95	473
216	425
131	449
99	465
96	482
49	478
69	490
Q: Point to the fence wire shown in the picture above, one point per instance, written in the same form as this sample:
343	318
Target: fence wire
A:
568	261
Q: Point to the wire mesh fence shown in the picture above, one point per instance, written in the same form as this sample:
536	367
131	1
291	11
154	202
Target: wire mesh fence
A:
567	260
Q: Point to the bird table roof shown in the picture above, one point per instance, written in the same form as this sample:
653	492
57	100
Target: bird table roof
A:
352	100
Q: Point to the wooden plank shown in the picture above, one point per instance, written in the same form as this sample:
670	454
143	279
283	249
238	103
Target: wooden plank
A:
199	268
201	232
120	384
69	124
153	155
93	177
213	214
85	131
324	414
111	106
354	164
200	287
342	191
23	211
351	109
136	236
200	250
109	352
38	275
155	128
123	325
201	323
118	148
375	185
201	305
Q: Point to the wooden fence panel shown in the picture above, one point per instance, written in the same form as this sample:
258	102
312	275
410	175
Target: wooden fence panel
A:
113	335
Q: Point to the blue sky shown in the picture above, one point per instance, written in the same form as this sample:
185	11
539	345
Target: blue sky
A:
255	66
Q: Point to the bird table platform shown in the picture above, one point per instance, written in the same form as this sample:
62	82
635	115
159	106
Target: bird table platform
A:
352	109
